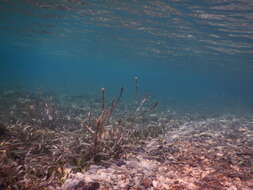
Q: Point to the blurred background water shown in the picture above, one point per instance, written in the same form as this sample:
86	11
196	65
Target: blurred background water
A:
190	54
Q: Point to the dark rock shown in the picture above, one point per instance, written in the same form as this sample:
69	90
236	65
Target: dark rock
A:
3	130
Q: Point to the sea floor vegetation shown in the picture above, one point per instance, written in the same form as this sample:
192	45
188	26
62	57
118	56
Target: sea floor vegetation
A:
53	142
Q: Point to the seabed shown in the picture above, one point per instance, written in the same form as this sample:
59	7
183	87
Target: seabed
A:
51	142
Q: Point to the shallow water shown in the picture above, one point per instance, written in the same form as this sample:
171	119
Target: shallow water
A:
188	54
177	108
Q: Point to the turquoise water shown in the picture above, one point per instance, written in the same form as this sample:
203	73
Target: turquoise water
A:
186	53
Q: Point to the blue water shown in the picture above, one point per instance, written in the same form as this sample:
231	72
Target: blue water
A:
186	53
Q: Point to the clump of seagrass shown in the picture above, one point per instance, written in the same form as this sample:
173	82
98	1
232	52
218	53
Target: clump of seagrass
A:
96	125
141	109
42	143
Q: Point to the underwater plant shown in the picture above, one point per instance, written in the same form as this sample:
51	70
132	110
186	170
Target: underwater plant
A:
136	86
42	142
96	125
103	98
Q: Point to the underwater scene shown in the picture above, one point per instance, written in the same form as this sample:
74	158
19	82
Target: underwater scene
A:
126	95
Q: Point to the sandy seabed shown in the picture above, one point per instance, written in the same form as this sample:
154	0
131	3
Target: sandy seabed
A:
214	154
47	142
